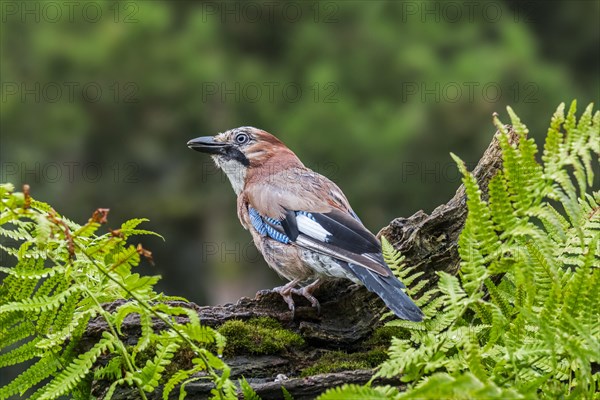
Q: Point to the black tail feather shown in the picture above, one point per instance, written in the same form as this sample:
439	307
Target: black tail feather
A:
389	289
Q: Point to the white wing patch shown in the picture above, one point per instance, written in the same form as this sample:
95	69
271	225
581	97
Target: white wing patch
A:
311	228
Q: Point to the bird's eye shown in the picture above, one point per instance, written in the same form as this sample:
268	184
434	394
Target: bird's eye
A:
241	138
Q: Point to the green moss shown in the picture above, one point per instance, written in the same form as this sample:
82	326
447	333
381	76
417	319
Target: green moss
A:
383	335
373	353
376	356
335	361
327	367
258	336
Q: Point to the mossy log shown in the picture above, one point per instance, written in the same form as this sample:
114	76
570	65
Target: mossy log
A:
309	353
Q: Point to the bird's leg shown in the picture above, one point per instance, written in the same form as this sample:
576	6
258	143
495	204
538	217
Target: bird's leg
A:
286	292
307	291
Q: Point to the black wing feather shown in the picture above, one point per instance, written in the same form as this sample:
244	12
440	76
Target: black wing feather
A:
347	233
389	289
290	225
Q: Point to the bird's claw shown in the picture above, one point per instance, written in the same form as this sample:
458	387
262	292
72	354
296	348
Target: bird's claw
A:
286	293
289	301
304	292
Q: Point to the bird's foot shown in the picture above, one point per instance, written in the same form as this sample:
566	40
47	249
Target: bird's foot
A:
306	292
308	296
285	292
286	295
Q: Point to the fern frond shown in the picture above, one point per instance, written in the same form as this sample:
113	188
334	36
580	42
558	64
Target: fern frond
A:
36	274
356	392
22	353
569	125
42	369
41	303
473	358
286	395
497	328
477	235
172	310
572	292
499	298
60	336
247	392
13	334
464	386
177	378
123	260
87	230
147	328
74	372
451	287
152	372
554	141
113	370
535	327
63	274
128	228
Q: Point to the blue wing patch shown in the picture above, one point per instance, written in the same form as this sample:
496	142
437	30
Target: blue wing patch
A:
257	221
266	229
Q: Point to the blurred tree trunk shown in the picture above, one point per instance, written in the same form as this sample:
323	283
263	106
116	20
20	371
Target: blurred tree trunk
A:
349	313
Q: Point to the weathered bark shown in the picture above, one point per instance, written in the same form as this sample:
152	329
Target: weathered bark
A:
299	388
349	313
431	241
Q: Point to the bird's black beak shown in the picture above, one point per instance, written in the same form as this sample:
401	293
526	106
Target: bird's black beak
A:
207	144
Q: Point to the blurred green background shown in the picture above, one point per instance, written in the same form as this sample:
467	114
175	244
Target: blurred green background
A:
99	99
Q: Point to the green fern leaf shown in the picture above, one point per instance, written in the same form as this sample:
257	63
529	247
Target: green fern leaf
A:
286	395
465	386
177	378
247	392
153	370
41	303
113	370
16	333
353	392
22	353
42	369
72	374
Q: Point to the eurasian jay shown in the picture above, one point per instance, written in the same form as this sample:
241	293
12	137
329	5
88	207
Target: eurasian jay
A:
301	221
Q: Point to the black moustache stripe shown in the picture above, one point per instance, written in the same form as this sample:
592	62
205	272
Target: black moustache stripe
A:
235	154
